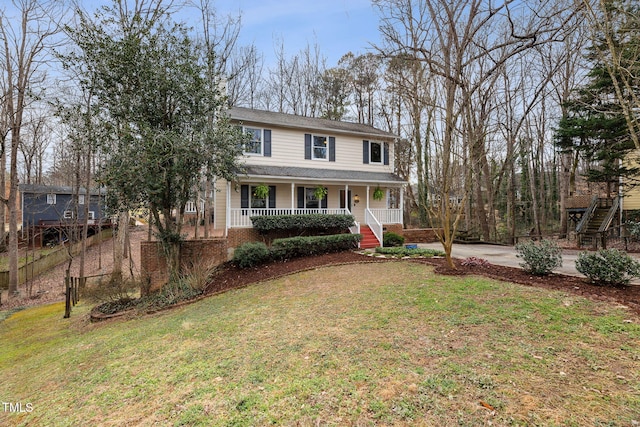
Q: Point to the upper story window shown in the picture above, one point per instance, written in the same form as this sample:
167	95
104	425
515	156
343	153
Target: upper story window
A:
320	147
255	145
259	143
376	152
51	199
81	199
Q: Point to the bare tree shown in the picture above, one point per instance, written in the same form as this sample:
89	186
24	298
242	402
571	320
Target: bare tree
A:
26	41
33	145
463	44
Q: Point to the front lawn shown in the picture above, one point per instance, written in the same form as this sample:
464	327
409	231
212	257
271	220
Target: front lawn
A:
366	344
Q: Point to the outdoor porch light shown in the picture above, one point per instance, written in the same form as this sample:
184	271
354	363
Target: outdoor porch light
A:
356	199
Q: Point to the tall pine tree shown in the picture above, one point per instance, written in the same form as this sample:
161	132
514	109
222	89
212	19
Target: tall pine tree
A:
594	123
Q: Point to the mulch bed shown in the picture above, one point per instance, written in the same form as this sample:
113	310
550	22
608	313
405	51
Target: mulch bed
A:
230	277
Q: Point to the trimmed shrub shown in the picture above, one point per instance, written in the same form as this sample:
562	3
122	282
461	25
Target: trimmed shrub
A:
269	223
402	251
608	266
390	239
251	254
539	259
294	247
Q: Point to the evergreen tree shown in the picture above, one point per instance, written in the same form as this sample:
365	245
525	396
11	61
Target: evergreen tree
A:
594	123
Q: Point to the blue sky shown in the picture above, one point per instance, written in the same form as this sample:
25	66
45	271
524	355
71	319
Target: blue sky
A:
336	26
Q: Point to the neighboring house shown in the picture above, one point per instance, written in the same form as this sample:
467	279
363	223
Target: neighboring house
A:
295	155
49	212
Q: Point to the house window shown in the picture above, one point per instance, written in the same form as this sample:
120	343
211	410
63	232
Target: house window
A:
319	149
92	215
310	200
376	152
81	199
258	202
67	215
51	199
254	146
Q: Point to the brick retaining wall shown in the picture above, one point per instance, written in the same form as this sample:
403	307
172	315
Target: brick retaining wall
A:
153	265
419	235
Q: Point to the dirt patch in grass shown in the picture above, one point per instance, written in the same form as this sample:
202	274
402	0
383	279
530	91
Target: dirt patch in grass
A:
230	277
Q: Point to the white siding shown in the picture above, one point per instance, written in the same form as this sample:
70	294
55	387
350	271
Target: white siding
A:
287	149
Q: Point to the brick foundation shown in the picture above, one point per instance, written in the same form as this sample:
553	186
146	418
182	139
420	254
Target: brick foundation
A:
153	264
419	235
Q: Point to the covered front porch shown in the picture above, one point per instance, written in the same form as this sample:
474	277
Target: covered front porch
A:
373	204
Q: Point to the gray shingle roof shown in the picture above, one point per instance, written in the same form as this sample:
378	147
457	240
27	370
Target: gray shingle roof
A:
49	189
323	175
248	115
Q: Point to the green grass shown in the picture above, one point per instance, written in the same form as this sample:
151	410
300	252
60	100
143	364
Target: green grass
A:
370	344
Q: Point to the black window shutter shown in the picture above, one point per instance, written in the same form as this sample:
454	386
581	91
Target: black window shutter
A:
365	152
272	196
332	149
386	153
323	202
307	146
300	197
267	143
244	197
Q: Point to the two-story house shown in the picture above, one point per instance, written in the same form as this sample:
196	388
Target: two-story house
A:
295	155
49	213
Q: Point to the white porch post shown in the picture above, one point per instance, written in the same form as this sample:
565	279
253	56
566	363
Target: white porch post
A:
215	214
402	205
346	197
228	219
293	199
367	197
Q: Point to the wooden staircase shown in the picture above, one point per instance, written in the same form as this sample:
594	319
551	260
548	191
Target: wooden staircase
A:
369	240
597	221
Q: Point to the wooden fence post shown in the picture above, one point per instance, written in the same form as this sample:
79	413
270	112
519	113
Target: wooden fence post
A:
67	296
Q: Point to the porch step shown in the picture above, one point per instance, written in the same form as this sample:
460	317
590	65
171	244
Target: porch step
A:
369	240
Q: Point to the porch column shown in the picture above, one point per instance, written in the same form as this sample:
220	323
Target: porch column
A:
228	219
402	205
293	197
346	198
367	197
215	215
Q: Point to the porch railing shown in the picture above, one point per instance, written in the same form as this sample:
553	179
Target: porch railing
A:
355	228
373	223
242	217
387	216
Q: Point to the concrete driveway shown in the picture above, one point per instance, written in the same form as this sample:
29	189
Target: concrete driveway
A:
505	255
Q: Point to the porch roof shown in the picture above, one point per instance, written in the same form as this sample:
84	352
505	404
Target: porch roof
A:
324	175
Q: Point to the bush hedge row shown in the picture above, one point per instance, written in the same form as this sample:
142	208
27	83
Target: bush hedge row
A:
256	253
268	223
